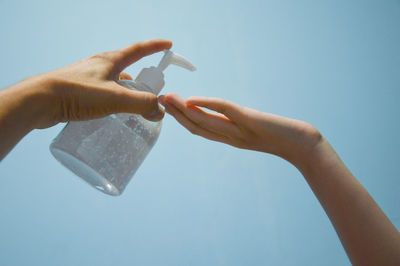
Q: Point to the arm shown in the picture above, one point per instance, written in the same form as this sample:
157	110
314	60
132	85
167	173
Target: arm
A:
81	91
367	235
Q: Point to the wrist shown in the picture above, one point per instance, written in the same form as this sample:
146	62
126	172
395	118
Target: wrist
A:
35	97
304	145
314	157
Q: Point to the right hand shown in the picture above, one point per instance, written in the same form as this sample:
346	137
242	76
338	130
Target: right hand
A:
88	89
243	127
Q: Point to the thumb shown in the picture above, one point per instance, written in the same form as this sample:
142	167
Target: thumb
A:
138	102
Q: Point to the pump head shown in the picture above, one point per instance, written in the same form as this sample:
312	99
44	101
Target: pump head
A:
153	77
175	59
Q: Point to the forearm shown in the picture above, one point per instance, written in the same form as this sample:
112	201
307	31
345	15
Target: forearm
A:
367	235
21	108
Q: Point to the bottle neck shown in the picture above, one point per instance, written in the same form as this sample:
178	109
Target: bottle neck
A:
139	86
143	87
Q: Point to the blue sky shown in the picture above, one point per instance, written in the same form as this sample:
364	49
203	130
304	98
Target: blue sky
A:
335	64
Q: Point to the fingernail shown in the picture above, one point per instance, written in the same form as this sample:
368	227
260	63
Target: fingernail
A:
161	99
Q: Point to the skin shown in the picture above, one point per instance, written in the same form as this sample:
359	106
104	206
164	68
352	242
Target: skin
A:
367	235
85	90
88	89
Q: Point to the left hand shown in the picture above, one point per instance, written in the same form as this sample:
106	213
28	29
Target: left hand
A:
244	127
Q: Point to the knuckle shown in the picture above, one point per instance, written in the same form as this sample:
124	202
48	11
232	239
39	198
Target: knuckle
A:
108	57
102	55
117	54
223	105
105	58
150	101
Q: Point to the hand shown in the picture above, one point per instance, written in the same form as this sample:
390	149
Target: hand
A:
88	89
243	127
369	237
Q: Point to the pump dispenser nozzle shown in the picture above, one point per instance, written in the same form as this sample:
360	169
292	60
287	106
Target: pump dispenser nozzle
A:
176	59
153	77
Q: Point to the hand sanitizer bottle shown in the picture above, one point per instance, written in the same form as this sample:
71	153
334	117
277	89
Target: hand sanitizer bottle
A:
106	152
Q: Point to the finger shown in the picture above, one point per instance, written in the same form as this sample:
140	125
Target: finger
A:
192	127
156	115
212	122
128	55
124	75
161	99
231	110
123	100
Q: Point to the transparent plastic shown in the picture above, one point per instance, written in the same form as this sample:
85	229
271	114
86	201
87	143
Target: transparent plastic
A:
107	152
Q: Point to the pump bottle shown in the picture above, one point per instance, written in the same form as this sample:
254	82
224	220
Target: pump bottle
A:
106	152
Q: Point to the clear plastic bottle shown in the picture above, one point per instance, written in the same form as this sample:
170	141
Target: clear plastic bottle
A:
106	152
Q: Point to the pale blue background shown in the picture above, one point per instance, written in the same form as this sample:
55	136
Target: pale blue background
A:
334	63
